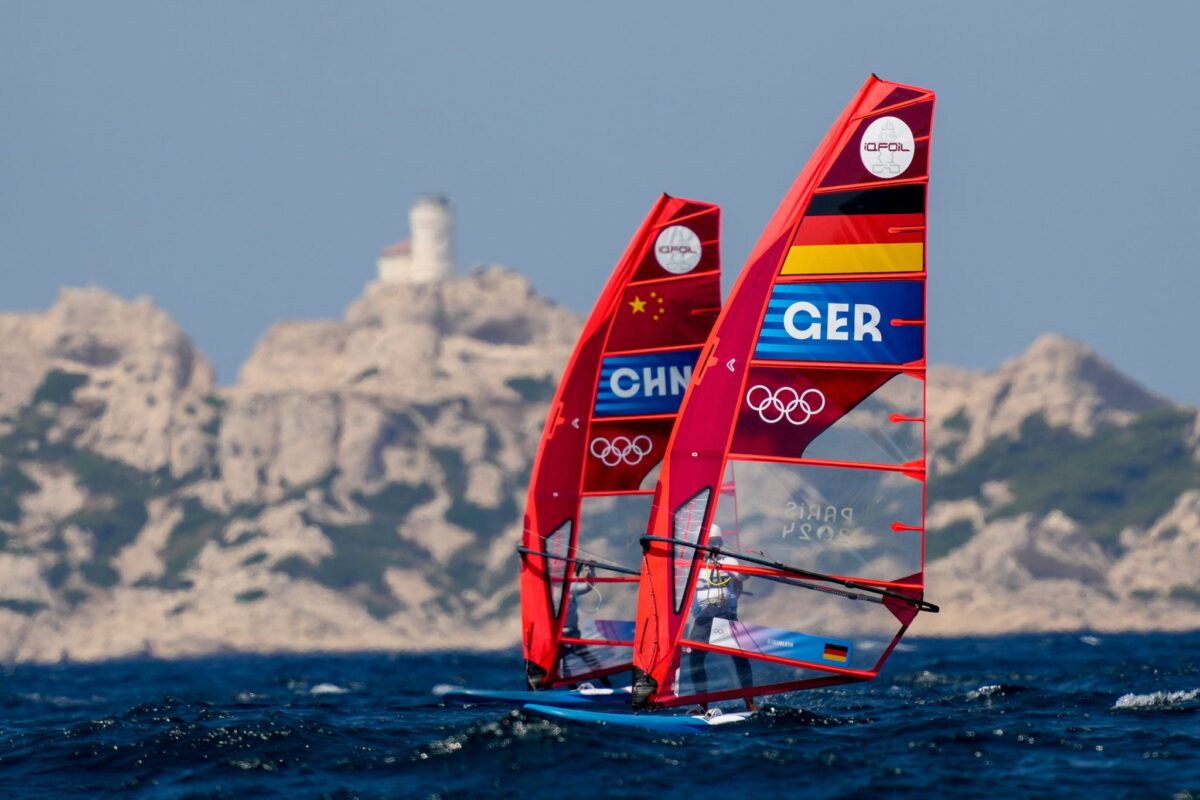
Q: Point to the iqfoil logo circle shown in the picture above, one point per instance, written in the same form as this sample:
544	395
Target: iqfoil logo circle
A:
887	147
677	249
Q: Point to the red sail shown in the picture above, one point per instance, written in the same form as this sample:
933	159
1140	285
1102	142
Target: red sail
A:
607	431
801	437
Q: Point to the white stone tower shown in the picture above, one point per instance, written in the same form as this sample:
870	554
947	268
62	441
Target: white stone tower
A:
429	255
432	224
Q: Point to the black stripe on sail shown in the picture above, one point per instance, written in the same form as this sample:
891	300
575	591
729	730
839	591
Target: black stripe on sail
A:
907	198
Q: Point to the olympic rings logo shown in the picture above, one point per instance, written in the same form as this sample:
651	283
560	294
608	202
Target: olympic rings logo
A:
785	403
621	449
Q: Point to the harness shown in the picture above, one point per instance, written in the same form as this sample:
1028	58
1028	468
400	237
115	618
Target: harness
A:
715	572
588	574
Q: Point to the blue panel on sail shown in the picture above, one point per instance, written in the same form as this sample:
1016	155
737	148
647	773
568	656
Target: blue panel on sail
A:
844	321
649	383
775	642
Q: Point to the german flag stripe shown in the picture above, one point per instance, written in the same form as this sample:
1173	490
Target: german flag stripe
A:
841	259
861	229
907	198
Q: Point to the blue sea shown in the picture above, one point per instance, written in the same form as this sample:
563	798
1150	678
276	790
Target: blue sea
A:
1014	717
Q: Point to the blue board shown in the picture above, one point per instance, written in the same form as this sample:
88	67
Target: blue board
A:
657	722
548	697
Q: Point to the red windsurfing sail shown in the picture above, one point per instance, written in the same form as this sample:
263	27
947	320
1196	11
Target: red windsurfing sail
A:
785	548
606	433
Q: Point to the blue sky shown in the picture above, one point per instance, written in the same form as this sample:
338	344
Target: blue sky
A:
243	162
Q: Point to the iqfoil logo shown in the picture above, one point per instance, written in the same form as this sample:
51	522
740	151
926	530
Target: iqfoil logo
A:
677	250
887	147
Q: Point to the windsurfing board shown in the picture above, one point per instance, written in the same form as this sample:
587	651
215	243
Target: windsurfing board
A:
589	697
655	722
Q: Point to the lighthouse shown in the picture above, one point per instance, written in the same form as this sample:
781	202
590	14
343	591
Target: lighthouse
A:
429	255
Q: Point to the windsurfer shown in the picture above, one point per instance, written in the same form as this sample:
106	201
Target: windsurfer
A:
581	586
717	593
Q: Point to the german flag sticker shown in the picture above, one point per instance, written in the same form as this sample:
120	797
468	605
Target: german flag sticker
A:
836	652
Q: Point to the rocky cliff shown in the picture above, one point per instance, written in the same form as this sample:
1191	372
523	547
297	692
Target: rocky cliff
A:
1063	496
361	485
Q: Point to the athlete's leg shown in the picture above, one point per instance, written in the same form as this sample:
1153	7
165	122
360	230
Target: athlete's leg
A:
701	630
744	672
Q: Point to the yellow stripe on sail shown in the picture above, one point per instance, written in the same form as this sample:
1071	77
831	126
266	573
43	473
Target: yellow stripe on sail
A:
832	259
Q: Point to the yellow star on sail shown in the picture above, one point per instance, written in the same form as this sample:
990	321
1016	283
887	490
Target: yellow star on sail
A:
658	312
638	305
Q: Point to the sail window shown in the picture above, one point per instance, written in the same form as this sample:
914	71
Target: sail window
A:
556	559
853	522
687	523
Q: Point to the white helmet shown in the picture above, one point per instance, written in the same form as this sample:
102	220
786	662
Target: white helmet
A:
714	535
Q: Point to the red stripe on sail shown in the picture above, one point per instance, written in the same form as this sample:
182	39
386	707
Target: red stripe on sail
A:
862	229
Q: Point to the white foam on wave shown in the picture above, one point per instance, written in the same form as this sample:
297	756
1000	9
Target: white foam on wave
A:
444	689
1156	699
985	691
927	678
327	688
58	701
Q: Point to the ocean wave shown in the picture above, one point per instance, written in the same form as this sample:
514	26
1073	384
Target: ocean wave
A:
782	716
250	727
990	690
924	679
60	701
491	734
1156	700
327	688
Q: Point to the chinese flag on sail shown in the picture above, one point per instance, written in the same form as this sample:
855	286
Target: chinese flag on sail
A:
666	313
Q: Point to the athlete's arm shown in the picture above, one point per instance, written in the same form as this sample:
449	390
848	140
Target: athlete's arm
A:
736	580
